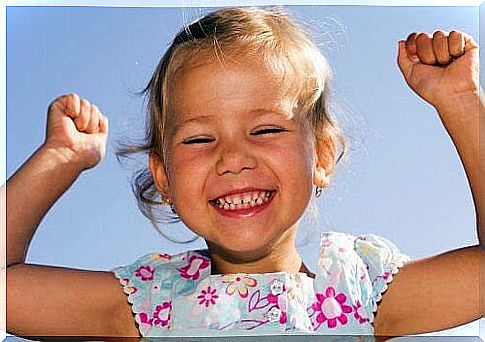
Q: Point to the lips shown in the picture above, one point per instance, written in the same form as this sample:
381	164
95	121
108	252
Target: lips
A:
242	199
243	209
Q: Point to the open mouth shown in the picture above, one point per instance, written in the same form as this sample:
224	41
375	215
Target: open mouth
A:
243	201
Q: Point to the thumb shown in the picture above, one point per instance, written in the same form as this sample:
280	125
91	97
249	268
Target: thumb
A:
103	124
469	42
471	48
405	62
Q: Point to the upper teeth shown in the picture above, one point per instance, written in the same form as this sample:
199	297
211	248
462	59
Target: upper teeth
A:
247	197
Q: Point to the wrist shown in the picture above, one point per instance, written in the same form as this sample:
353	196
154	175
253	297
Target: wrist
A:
64	157
460	111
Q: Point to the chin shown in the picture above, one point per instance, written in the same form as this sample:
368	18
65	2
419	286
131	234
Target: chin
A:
241	250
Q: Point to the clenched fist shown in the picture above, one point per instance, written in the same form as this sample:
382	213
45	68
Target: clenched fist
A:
442	68
77	130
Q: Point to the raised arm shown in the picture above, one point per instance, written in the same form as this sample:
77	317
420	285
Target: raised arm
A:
76	140
32	191
51	301
443	69
442	291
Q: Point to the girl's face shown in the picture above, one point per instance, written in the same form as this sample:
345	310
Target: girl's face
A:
234	140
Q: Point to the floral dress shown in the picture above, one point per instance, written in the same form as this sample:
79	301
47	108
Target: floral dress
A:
178	296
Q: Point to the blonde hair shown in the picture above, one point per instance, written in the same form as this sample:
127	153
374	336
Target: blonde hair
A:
232	34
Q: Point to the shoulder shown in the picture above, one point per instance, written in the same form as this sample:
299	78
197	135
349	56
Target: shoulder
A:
370	248
155	265
368	261
152	281
358	269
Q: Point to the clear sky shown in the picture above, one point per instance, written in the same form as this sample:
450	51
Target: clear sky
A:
402	178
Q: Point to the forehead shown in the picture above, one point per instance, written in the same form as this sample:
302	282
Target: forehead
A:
248	86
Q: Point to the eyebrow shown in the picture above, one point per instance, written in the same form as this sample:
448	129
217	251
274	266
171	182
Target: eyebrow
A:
209	117
200	118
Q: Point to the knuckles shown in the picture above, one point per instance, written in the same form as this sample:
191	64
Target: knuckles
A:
437	48
85	114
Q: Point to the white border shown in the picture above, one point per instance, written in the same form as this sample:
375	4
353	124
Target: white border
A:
3	170
145	3
214	3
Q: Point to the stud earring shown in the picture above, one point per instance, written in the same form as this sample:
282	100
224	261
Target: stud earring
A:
165	201
168	201
318	191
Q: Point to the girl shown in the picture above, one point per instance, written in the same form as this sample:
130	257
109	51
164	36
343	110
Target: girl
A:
239	139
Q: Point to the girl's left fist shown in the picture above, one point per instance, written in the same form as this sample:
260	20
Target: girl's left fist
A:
441	68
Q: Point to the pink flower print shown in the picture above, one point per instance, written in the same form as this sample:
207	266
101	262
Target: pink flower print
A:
283	317
192	269
145	273
144	318
273	299
359	313
239	282
282	307
161	316
208	296
331	308
278	313
387	275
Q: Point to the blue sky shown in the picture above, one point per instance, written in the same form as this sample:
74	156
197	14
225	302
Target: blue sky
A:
402	178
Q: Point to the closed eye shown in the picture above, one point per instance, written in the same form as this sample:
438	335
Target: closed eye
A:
269	131
198	141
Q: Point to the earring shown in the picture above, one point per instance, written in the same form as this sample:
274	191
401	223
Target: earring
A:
165	201
168	201
318	191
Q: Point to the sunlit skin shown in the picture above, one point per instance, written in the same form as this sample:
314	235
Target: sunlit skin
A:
241	136
235	128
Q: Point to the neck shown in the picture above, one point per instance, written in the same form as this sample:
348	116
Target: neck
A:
281	257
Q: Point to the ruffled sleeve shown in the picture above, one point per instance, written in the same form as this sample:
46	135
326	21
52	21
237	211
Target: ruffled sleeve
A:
382	259
154	281
352	273
148	286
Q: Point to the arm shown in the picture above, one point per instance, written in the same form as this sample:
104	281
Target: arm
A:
433	294
53	301
466	134
31	192
442	291
452	87
49	301
76	139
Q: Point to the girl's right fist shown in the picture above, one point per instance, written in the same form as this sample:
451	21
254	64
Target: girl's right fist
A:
77	130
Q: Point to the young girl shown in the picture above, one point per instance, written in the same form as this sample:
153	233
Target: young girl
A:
239	139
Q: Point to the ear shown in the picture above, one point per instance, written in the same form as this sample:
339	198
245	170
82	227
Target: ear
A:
324	162
159	175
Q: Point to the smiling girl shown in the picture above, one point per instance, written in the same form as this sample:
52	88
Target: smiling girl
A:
239	139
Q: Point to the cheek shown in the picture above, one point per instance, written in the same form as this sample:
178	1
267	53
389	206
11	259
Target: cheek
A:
185	174
299	158
302	171
294	163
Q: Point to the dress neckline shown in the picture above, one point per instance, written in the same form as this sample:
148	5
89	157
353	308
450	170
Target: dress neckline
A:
304	271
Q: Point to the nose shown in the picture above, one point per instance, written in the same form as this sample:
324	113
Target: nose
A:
234	157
